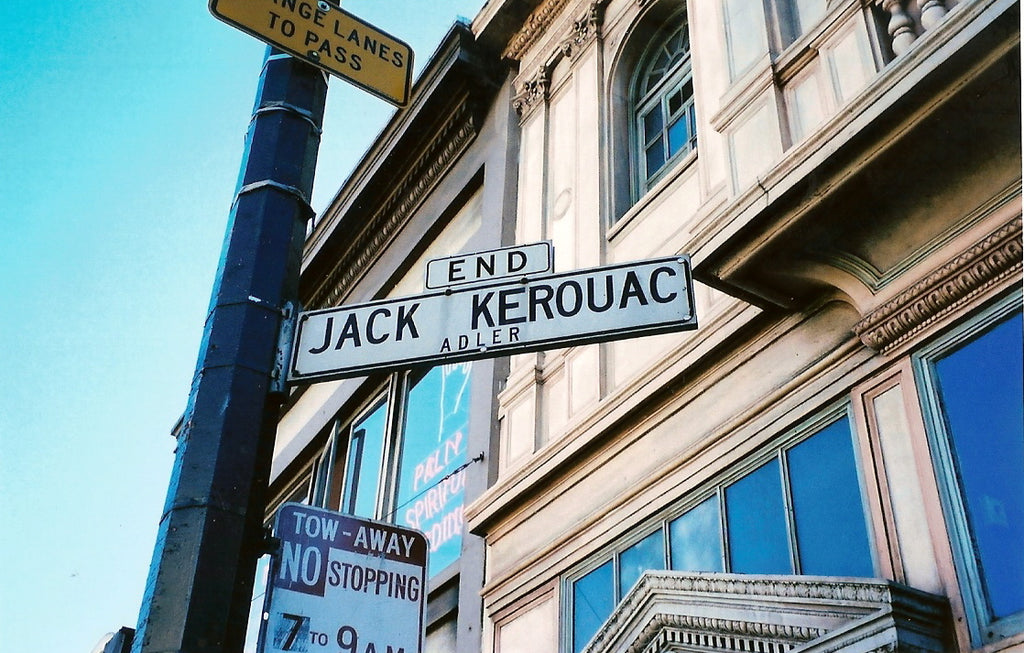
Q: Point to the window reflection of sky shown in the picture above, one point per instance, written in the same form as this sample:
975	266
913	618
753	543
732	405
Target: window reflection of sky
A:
695	538
981	386
828	528
592	600
365	460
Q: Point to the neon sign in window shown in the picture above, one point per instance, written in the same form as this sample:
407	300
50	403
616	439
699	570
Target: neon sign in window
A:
432	478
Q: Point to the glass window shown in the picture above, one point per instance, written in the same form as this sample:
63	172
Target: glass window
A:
825	527
980	388
695	538
831	535
592	602
256	605
756	516
808	13
431	477
794	18
648	553
365	462
404	459
745	31
663	106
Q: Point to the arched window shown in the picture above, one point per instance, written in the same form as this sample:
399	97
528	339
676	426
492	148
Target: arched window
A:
665	126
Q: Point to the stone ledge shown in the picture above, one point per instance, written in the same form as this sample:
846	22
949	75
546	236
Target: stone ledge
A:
675	611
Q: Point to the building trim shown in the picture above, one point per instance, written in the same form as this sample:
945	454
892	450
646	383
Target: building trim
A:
673	611
533	29
390	218
980	268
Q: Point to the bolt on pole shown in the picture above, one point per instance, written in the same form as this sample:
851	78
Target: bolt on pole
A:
211	532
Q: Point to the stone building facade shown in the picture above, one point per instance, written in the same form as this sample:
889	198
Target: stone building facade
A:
833	460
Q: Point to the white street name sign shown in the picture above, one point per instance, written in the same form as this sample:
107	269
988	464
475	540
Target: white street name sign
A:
496	319
343	583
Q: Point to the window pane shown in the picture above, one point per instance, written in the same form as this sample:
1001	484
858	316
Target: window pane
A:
756	517
692	117
831	535
322	478
433	446
980	387
365	463
259	592
655	159
648	553
592	602
675	45
678	134
686	91
675	101
695	538
653	124
663	59
746	29
809	12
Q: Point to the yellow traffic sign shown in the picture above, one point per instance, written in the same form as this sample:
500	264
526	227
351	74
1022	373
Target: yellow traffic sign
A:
329	37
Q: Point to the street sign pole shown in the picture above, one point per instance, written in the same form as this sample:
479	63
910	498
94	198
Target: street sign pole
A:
211	532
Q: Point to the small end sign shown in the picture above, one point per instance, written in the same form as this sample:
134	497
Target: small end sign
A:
325	35
516	261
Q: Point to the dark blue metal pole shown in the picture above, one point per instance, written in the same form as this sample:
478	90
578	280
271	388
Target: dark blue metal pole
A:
211	533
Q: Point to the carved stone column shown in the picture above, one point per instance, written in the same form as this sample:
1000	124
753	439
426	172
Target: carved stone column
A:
901	26
932	13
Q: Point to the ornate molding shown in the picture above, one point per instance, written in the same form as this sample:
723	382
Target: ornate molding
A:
740	585
665	631
391	215
670	612
581	32
532	93
533	28
584	30
790	587
980	268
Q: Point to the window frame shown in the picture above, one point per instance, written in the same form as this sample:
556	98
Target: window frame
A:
982	626
383	398
786	25
731	25
778	451
675	78
330	473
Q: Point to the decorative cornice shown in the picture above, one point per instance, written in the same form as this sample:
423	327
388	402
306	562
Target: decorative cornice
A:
533	28
581	32
980	268
792	587
789	587
391	215
683	611
665	630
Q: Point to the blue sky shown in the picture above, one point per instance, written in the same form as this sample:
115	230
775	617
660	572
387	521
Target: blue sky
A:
121	132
